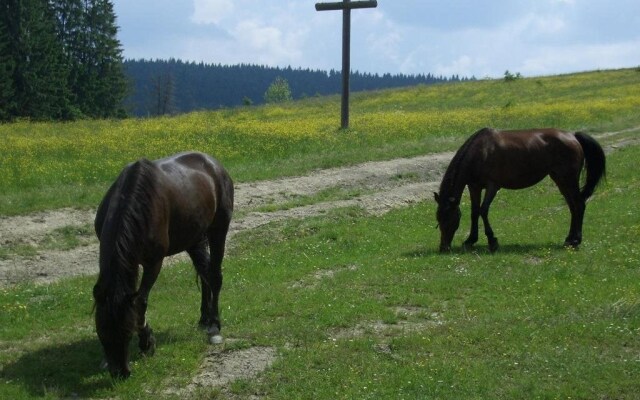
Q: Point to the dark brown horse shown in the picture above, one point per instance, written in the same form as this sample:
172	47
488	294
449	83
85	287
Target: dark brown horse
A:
491	159
153	210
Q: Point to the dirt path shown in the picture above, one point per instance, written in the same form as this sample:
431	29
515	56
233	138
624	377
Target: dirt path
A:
375	186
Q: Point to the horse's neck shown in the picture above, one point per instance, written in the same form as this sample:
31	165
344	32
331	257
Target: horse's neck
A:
457	177
453	183
118	263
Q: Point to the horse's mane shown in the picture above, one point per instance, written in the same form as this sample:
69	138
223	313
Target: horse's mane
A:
124	227
450	178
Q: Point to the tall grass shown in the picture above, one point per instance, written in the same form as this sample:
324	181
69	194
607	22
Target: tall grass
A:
44	165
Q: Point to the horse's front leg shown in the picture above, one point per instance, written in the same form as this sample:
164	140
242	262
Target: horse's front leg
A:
146	340
475	195
489	195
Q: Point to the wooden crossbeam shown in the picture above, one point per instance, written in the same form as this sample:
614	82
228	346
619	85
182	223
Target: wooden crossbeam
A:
341	5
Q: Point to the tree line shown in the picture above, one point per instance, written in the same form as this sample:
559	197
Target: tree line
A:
60	60
175	86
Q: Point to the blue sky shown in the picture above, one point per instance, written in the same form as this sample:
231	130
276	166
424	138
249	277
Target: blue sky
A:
464	37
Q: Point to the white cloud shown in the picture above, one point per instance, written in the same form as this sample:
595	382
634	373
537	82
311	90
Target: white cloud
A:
548	24
463	66
564	59
270	44
385	44
211	11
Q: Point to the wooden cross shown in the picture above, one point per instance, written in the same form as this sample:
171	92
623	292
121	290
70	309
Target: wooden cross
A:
346	6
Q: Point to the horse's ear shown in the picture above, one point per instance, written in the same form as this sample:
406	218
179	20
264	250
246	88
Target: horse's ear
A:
436	196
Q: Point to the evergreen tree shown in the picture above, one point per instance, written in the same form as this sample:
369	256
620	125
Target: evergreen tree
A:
37	60
7	66
60	59
94	54
109	84
71	33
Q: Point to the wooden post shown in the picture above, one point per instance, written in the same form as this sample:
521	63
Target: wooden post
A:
346	6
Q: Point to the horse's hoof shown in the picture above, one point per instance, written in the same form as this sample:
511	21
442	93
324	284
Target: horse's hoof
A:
214	334
150	347
493	245
216	339
467	246
574	244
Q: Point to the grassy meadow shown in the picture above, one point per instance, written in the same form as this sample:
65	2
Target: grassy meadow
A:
46	165
356	306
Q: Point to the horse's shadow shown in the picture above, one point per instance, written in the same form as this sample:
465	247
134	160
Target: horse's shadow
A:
68	370
483	249
519	248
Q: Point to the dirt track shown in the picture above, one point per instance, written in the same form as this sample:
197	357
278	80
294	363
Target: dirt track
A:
378	186
383	185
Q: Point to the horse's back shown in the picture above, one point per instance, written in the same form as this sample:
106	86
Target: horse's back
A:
197	175
517	159
547	146
197	190
532	138
189	163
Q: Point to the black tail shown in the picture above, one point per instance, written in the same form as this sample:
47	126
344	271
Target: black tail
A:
595	163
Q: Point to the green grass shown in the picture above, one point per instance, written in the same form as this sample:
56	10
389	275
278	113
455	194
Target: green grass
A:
356	306
45	165
533	321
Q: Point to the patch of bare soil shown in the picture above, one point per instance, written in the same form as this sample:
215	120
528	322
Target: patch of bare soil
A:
220	368
412	319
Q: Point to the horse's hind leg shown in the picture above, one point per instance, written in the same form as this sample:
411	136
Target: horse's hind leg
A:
201	261
570	188
209	267
217	240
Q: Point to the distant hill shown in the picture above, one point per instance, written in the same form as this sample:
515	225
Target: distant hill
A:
173	86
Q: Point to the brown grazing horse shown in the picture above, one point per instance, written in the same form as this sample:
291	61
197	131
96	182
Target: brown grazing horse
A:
153	210
491	159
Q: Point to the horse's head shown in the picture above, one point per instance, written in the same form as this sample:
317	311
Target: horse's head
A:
448	216
115	321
